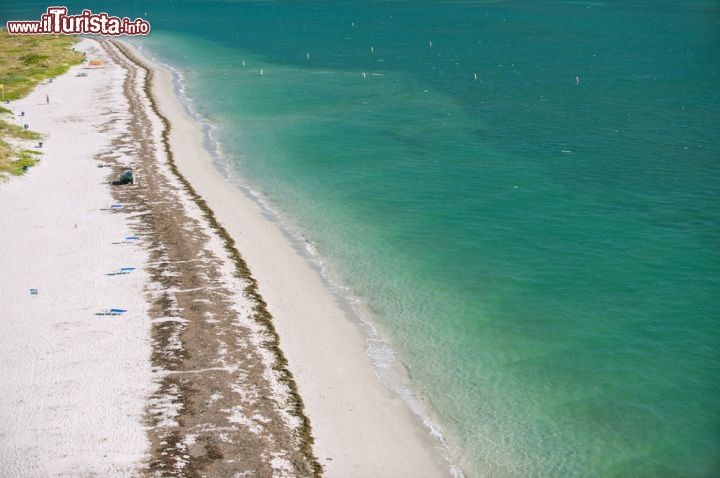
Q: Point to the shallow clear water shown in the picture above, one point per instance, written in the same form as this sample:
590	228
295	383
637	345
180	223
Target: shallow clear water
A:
539	244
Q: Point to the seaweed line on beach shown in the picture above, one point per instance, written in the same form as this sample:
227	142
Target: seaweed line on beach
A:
190	374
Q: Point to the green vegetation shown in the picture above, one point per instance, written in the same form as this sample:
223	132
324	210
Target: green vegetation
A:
12	159
18	160
8	130
25	61
26	158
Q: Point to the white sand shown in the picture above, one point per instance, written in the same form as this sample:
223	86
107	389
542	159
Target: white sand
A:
361	429
74	385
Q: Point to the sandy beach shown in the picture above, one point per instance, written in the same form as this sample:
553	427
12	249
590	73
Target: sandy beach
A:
232	358
75	384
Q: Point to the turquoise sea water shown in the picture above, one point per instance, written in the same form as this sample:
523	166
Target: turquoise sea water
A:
524	196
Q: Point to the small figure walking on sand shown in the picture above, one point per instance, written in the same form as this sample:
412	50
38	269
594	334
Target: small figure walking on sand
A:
47	99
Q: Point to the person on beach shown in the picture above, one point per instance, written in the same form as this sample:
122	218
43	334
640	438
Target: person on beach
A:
47	99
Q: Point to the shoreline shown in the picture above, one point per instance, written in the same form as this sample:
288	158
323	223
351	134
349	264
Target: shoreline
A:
393	375
209	370
408	441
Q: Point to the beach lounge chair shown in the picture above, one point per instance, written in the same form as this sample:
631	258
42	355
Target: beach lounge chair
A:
123	270
128	240
111	312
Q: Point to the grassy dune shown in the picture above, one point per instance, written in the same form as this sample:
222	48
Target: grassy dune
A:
25	61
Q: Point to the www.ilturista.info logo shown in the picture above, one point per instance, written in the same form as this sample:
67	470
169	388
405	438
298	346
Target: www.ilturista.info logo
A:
57	22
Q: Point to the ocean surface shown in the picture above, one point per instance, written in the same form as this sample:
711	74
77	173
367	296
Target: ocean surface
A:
522	197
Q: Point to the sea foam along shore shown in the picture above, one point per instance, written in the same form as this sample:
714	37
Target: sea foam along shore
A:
360	428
